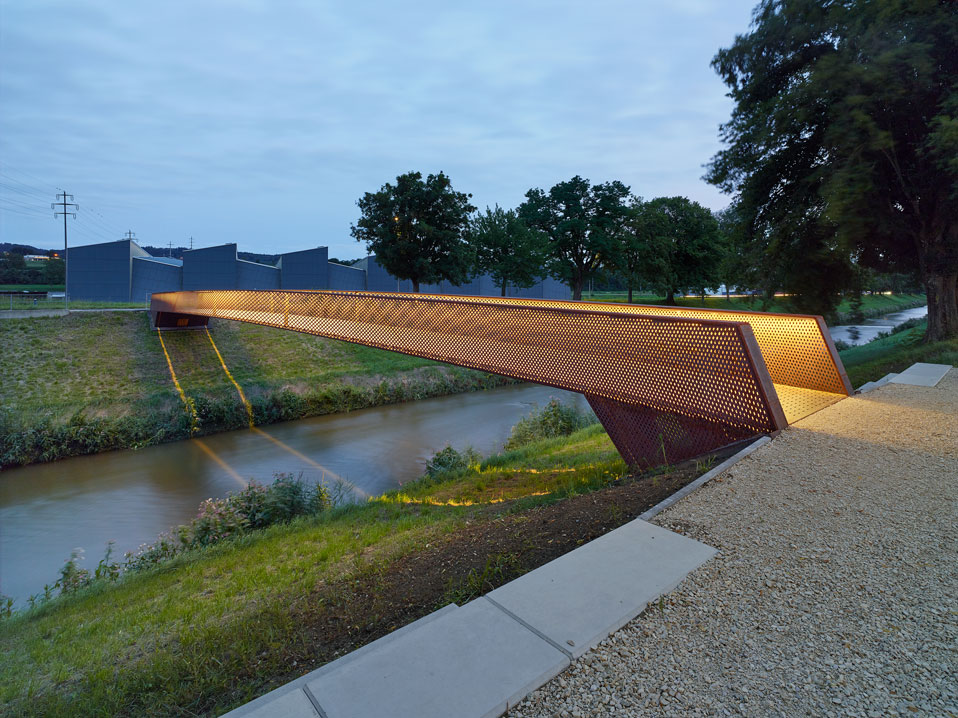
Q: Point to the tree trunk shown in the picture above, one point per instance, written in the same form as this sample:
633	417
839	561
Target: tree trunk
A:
415	286
942	293
670	296
630	294
727	297
503	287
577	289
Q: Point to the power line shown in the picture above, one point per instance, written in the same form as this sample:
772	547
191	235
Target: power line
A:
66	208
17	211
43	182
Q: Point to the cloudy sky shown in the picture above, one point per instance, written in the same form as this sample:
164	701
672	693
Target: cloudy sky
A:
262	123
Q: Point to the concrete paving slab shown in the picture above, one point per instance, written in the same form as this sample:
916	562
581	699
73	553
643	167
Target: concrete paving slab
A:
580	598
473	662
252	709
921	374
291	704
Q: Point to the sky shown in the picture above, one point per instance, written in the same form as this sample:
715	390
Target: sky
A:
262	123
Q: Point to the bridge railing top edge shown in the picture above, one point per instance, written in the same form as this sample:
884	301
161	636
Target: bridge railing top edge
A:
546	305
520	301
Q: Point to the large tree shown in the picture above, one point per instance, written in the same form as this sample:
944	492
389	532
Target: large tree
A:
505	248
644	225
581	223
686	249
843	142
415	228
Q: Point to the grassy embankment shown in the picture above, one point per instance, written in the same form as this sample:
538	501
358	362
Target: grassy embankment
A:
895	353
94	382
214	628
873	305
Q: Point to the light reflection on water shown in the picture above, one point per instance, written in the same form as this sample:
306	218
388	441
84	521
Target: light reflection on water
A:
46	510
856	334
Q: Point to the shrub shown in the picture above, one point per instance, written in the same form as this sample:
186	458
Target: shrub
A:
72	577
255	507
554	419
448	461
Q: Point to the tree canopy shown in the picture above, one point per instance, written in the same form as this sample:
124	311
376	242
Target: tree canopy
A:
415	228
842	147
685	250
581	223
505	248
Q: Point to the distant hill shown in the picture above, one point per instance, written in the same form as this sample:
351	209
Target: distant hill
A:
22	249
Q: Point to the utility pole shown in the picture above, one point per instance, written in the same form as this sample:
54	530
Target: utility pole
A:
170	252
191	242
130	234
65	209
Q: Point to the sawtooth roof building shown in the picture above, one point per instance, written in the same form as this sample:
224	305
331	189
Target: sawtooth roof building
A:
123	271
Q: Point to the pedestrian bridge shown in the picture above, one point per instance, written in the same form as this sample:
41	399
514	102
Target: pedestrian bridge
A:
667	383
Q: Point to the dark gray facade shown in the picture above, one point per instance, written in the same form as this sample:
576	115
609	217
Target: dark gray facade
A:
103	271
124	272
306	269
348	279
154	275
210	268
250	275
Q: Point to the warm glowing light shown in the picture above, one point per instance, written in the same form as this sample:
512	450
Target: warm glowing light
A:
667	383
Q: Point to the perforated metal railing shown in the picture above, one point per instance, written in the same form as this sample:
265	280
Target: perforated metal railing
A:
665	385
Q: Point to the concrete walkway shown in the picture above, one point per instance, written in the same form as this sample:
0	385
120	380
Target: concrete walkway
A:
834	594
835	590
482	658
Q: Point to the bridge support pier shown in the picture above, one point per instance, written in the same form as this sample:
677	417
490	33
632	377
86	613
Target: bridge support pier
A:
171	320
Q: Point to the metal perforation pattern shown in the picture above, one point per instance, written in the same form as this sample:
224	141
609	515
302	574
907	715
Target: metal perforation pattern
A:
671	386
797	348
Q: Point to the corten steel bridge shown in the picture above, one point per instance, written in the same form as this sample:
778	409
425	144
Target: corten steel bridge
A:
667	383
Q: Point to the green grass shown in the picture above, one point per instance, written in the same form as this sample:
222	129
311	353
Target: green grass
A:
895	353
19	300
174	639
31	288
872	304
109	369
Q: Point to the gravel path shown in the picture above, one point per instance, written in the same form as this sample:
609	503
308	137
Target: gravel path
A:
835	592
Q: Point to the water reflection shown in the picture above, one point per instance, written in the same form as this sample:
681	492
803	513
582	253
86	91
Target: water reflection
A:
856	334
131	496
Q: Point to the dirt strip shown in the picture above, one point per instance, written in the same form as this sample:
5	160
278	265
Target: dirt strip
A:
835	592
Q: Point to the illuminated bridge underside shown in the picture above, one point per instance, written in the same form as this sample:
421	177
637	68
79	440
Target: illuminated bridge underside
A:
667	384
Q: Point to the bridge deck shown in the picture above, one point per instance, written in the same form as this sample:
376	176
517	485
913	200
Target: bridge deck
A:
659	382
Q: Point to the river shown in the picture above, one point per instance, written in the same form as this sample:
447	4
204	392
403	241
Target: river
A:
130	497
856	334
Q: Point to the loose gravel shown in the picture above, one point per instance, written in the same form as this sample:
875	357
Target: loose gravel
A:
835	592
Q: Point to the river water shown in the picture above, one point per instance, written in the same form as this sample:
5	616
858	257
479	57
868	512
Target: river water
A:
856	334
130	497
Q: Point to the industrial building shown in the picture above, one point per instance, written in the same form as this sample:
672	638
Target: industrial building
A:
123	271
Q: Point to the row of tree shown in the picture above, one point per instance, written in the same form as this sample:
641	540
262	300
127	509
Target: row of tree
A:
841	158
423	230
842	148
15	270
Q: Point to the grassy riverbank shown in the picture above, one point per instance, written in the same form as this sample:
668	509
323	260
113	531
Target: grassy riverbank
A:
895	353
873	305
214	628
93	382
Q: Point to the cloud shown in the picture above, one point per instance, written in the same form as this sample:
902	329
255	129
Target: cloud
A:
263	122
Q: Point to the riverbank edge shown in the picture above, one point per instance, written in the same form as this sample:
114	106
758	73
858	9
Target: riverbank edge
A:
845	318
465	550
82	434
